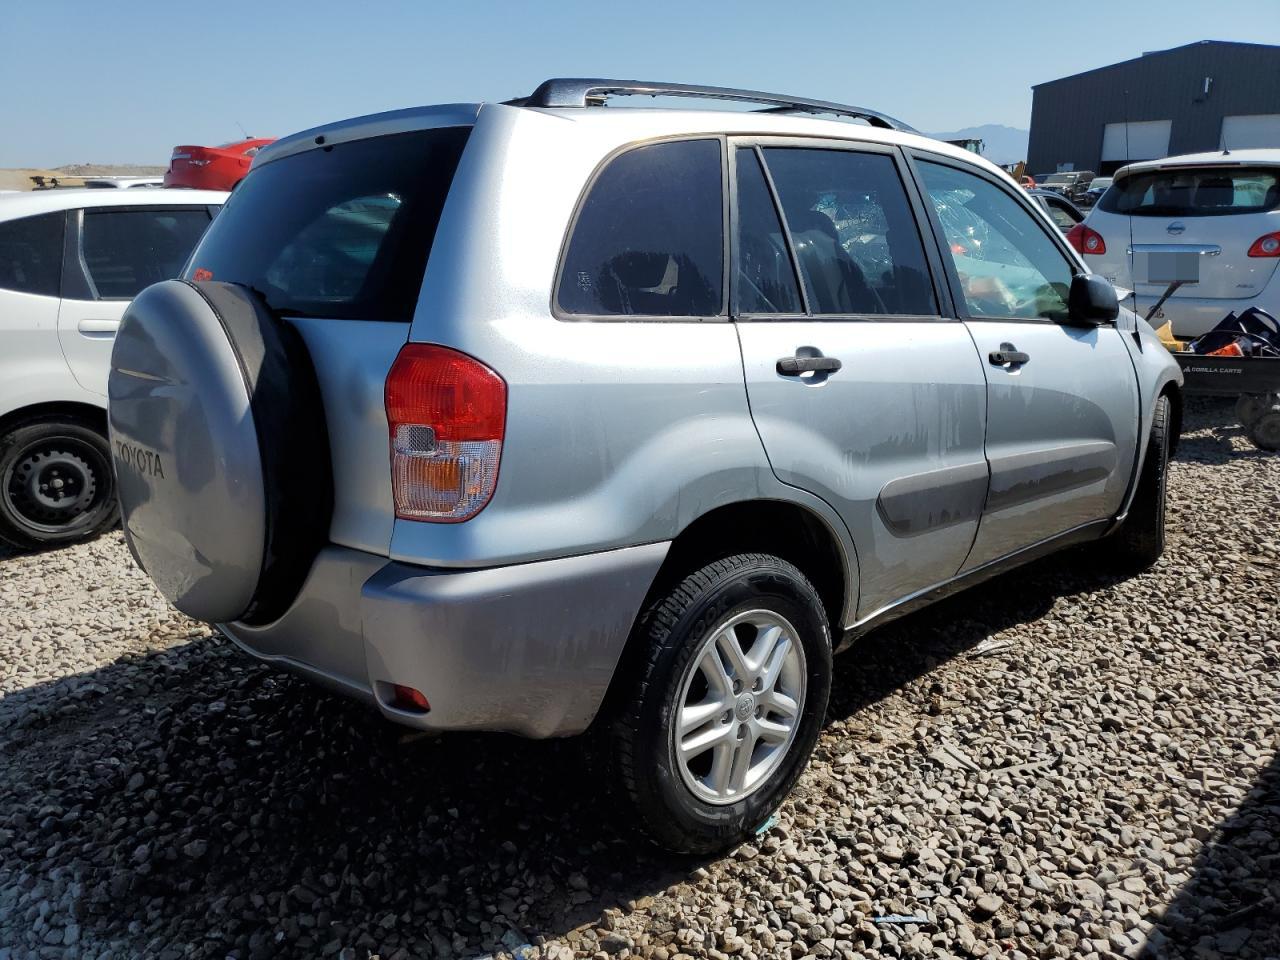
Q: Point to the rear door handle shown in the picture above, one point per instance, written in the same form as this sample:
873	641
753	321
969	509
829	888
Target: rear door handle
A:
98	328
793	366
1007	354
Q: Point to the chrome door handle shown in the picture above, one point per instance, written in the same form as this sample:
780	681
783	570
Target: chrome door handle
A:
793	366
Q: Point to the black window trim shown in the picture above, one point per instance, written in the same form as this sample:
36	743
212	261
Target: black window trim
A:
934	265
916	155
75	270
571	229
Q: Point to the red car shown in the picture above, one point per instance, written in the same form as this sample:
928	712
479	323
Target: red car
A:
213	168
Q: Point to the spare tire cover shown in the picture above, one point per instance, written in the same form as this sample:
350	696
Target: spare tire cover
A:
220	448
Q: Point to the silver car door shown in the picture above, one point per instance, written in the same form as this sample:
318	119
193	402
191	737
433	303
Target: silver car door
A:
863	391
1062	401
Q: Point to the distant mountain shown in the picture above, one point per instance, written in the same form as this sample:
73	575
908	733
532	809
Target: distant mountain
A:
1003	144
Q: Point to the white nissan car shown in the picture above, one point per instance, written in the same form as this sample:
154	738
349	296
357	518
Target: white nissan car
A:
70	262
1208	222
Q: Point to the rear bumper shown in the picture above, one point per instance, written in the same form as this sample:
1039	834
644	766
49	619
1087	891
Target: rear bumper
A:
1192	316
528	649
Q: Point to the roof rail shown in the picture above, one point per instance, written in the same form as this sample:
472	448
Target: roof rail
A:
580	92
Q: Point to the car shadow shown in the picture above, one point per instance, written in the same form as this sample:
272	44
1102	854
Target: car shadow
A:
1231	904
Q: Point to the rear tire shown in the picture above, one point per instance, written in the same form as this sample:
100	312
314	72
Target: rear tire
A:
726	704
56	483
1140	541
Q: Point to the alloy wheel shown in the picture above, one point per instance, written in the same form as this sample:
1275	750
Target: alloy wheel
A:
740	706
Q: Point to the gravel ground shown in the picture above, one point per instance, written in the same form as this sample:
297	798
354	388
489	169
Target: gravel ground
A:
1058	763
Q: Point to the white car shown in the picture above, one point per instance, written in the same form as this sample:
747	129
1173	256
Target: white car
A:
1209	222
70	262
123	183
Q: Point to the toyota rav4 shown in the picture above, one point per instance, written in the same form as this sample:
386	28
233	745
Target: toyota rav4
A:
549	415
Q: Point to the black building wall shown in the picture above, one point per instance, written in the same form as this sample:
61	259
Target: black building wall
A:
1068	115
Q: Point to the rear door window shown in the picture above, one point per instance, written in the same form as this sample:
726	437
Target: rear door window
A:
1204	192
127	250
31	254
853	231
649	238
341	232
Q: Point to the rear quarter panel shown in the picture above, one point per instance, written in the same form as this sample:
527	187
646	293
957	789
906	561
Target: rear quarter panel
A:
618	433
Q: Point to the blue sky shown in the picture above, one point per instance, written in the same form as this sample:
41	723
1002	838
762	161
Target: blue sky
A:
126	81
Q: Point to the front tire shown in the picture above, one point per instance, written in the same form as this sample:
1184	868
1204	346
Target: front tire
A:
56	484
1141	539
727	704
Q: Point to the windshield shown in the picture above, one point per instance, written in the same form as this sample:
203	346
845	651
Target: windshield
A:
1195	192
1099	184
1059	178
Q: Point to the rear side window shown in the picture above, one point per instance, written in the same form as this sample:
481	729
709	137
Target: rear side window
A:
649	239
1206	192
853	230
31	254
341	232
126	250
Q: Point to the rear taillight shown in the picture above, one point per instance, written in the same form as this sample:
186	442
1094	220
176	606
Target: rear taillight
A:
1086	240
1267	245
446	413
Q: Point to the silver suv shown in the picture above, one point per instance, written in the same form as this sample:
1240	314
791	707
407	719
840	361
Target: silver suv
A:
546	416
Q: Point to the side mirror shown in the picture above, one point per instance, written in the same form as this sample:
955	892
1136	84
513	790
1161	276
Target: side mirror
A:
1091	301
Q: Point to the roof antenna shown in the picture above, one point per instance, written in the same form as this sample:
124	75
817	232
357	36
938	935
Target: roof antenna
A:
242	129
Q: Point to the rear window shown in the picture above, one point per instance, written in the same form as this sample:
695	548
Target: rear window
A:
649	240
31	254
1204	192
341	232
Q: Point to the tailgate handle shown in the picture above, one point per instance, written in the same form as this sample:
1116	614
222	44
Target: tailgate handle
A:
793	366
98	328
1202	250
1007	354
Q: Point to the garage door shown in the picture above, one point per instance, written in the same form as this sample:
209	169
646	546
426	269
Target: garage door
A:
1254	130
1146	140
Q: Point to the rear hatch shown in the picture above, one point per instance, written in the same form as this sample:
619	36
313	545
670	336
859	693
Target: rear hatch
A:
333	229
1190	223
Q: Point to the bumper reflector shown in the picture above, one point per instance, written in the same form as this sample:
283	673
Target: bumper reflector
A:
407	698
